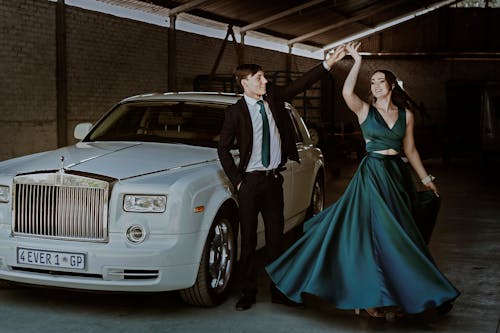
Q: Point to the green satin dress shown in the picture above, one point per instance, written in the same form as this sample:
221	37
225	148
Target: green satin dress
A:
365	250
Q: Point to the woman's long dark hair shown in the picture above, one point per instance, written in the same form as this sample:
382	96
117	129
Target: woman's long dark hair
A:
399	97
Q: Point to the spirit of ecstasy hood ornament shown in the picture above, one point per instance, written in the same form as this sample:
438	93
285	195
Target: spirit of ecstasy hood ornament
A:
61	170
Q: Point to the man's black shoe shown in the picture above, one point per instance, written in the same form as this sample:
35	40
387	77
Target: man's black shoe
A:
245	302
278	297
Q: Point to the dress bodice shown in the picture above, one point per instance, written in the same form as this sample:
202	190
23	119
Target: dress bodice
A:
378	135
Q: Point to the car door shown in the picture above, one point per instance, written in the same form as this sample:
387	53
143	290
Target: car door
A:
303	172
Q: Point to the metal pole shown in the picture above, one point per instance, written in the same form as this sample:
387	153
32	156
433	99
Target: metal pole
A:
241	54
172	62
289	63
61	78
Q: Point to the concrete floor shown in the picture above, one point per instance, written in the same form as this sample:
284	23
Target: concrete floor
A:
465	245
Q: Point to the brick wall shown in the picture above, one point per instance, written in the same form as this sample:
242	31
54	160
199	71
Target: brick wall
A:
196	55
27	88
110	58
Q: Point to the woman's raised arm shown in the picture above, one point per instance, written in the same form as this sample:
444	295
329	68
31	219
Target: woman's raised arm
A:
356	104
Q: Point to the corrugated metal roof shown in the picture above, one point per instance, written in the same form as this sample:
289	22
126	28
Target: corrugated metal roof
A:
317	23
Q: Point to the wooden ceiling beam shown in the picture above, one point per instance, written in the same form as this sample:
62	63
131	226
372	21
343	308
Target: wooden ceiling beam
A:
360	16
278	16
390	23
186	7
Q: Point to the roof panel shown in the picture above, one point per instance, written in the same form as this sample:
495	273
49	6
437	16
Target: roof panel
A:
318	23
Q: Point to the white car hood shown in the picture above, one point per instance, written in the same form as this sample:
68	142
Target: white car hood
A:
113	159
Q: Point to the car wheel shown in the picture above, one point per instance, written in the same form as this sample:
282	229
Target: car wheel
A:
317	197
316	205
216	265
315	137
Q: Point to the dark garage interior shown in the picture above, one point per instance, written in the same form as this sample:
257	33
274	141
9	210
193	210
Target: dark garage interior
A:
66	62
81	62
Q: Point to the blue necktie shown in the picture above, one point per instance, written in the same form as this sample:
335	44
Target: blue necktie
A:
266	151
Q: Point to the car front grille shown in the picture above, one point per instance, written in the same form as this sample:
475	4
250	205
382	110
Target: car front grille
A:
60	206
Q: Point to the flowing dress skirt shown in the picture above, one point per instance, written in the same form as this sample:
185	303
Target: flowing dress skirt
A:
365	250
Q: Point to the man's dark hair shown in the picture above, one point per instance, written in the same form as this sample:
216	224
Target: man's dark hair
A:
242	71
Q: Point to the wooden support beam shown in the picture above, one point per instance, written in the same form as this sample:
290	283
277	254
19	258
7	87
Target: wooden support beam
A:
186	7
278	16
387	24
239	55
344	21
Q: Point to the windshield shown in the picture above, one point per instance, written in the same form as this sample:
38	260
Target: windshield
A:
192	123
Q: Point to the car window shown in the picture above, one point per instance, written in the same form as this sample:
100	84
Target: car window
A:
169	122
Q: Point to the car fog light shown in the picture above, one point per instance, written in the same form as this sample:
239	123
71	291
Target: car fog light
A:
4	193
136	234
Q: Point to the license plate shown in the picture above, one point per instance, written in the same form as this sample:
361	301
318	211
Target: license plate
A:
51	258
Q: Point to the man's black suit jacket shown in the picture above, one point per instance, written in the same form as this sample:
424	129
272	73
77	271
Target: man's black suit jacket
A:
238	124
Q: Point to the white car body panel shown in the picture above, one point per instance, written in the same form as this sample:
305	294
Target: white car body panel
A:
169	257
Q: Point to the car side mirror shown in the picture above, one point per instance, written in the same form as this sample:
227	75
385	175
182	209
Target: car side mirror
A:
81	130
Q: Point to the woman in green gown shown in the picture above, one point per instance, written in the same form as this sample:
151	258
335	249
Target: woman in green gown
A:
365	251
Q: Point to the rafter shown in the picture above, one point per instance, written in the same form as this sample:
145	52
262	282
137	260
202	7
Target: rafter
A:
366	13
278	16
390	23
186	7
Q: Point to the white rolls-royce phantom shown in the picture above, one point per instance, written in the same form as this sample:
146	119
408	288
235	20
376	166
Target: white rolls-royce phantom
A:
140	203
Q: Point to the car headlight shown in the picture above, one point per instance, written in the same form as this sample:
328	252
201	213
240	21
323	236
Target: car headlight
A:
144	203
4	193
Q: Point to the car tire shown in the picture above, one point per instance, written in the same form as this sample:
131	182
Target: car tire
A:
216	265
315	136
317	203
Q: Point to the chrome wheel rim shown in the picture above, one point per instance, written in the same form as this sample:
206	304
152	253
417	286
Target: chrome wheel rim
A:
318	198
220	261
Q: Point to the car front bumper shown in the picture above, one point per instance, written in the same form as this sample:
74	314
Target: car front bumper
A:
161	263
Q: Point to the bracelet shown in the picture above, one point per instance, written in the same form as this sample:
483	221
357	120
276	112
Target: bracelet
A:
426	180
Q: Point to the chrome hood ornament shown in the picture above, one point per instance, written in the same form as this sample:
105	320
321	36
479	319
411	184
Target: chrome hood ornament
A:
61	169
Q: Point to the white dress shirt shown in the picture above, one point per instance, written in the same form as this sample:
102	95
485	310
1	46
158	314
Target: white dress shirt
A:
255	162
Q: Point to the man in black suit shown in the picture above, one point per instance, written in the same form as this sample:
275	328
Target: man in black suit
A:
265	138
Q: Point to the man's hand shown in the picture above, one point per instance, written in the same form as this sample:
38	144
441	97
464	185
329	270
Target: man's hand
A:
335	55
